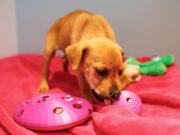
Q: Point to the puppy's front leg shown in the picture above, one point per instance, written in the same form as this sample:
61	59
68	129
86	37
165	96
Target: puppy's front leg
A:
65	63
49	52
84	86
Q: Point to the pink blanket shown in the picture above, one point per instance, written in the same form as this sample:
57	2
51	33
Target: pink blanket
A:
20	77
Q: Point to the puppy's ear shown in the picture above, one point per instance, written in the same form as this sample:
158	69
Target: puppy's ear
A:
76	52
121	50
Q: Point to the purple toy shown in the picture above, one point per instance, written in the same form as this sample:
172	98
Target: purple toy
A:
130	101
53	112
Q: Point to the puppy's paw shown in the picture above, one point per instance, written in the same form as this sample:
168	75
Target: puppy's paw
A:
132	72
44	86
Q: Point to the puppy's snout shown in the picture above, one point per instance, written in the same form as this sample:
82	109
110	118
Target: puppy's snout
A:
114	94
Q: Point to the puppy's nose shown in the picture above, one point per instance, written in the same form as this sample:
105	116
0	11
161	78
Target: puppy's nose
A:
114	94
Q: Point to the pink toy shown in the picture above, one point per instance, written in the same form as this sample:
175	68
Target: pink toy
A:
130	101
127	99
53	112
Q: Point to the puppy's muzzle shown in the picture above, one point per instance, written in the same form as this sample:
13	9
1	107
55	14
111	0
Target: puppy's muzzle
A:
97	96
115	94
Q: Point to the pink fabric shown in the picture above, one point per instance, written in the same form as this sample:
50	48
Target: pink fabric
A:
20	78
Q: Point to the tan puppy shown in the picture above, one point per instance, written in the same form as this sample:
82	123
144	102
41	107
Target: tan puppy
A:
90	46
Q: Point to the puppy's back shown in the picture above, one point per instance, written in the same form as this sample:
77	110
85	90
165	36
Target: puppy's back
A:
80	25
63	28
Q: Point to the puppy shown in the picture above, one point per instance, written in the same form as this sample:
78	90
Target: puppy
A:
90	47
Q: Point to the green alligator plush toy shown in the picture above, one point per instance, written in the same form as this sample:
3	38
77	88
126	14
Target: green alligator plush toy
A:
157	66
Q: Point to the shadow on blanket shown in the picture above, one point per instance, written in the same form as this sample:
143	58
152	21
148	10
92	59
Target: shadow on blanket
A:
65	81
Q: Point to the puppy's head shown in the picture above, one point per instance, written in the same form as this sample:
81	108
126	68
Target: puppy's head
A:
101	60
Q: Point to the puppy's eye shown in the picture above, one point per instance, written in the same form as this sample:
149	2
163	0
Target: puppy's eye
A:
102	72
120	72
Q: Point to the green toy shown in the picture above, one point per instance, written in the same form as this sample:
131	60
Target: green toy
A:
157	66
